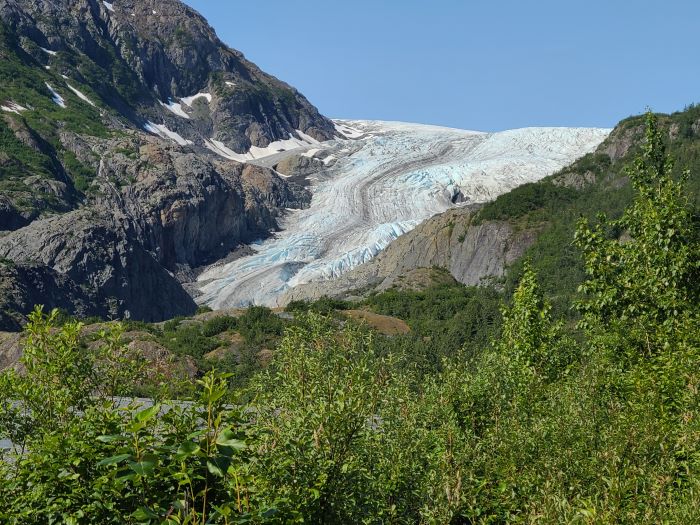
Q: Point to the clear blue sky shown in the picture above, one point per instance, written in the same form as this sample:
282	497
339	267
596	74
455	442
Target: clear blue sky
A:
481	64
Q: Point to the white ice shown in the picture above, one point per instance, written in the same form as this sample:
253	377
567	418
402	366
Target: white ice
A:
176	108
80	95
190	100
57	99
163	132
381	186
13	107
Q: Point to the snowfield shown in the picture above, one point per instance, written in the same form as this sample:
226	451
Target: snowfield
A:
380	181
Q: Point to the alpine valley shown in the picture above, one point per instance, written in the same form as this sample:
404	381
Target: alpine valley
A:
219	306
137	150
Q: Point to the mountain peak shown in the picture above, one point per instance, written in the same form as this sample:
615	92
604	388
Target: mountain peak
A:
143	58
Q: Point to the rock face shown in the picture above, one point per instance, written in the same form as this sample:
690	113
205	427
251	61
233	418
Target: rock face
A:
23	285
471	253
121	127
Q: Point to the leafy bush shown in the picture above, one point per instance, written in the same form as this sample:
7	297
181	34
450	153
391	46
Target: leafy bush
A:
217	325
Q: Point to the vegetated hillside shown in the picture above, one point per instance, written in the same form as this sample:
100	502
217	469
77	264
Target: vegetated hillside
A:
597	183
117	125
534	422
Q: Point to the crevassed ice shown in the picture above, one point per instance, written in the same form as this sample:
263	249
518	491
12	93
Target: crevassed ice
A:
385	182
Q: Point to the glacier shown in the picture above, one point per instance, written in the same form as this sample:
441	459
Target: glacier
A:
379	181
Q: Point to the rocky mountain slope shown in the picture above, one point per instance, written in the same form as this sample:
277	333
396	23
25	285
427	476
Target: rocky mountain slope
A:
123	128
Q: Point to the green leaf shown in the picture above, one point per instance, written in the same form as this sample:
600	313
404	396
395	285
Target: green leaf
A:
111	438
218	466
144	467
147	414
227	439
188	448
144	514
114	460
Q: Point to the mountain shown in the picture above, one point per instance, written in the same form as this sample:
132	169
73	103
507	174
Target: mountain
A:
376	186
122	128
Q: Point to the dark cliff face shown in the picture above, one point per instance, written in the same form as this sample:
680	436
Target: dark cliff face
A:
101	216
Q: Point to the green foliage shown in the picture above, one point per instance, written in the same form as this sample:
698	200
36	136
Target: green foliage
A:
219	324
259	325
529	336
324	306
444	319
647	275
186	338
339	430
83	458
524	199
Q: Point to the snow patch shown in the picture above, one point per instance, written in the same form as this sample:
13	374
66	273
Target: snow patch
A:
52	53
348	132
311	152
220	149
307	138
163	132
13	107
303	141
176	108
80	95
57	99
190	100
280	145
109	6
230	84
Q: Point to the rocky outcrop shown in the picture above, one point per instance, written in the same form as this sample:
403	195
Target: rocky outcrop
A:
190	209
10	349
10	217
24	285
299	166
472	254
159	212
99	255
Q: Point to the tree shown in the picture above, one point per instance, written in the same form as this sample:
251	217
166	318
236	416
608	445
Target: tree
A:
530	336
643	286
